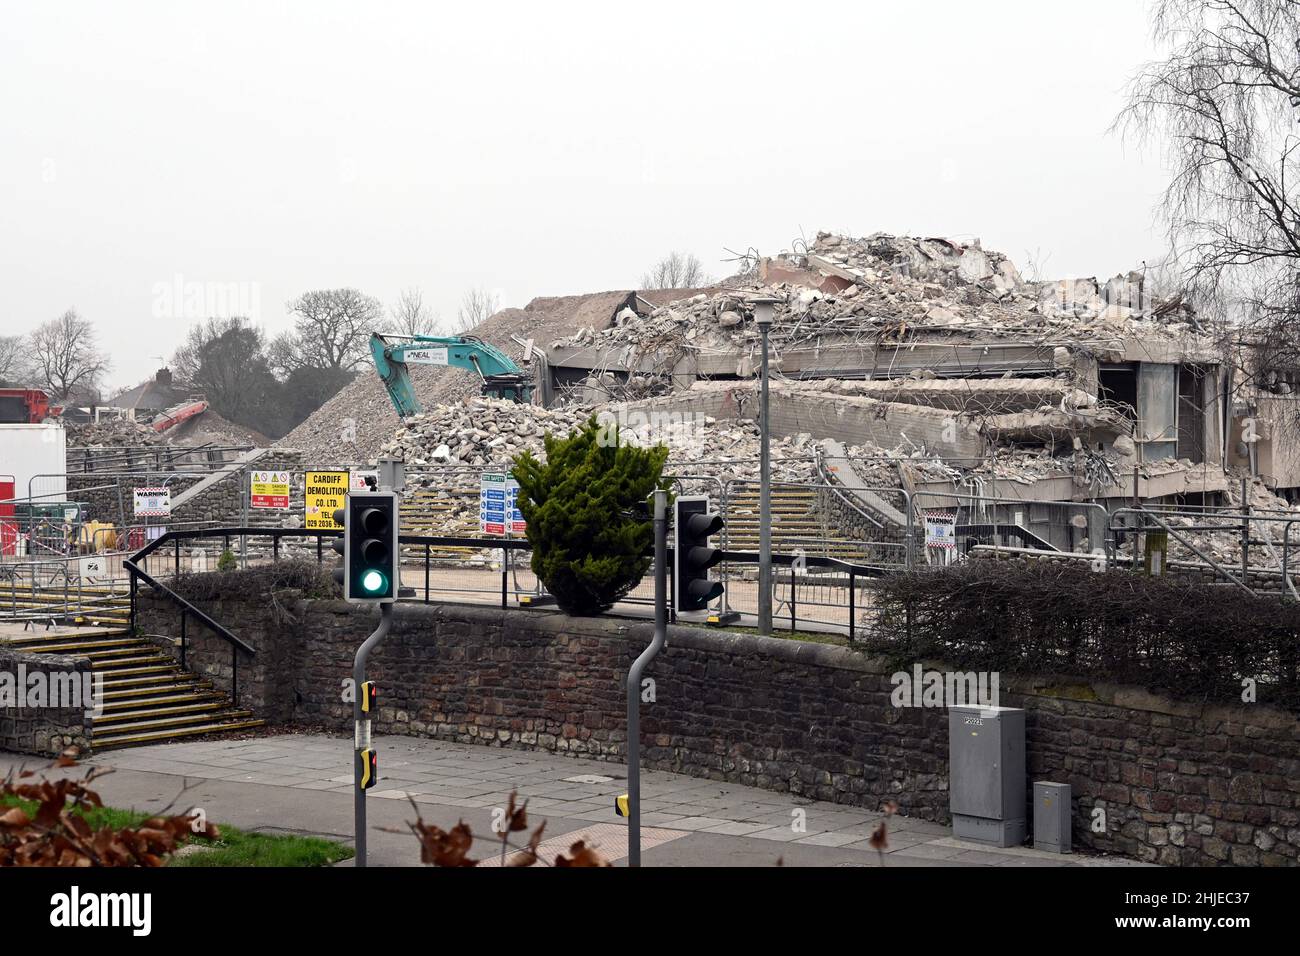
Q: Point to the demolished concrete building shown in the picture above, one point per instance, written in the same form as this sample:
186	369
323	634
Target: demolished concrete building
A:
923	374
943	351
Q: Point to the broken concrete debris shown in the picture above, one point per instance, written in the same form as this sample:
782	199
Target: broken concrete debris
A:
112	433
485	432
888	288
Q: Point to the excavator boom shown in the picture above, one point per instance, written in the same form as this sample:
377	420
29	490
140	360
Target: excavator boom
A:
501	377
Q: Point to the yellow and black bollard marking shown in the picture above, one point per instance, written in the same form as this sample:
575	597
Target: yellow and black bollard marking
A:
369	768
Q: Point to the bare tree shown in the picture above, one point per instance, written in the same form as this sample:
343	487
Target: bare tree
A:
1227	99
66	358
226	359
13	359
676	270
477	307
410	316
332	329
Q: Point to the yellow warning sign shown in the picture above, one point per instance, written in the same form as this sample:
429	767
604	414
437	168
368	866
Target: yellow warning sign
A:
325	491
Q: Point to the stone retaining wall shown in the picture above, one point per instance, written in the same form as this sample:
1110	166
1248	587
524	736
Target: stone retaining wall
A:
44	730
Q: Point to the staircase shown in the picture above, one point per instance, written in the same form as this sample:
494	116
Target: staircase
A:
445	512
93	604
797	524
148	697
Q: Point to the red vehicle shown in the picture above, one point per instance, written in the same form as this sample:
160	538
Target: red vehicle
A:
8	526
25	406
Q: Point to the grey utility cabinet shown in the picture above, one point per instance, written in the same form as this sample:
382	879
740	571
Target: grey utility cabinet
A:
1052	816
986	774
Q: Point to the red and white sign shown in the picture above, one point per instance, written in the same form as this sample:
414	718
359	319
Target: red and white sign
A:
940	529
269	489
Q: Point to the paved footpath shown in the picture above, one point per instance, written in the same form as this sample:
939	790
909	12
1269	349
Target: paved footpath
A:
303	784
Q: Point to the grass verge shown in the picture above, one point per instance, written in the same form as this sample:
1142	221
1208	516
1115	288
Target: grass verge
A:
235	848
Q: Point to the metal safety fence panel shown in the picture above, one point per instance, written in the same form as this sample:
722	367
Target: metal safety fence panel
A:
1253	550
870	525
950	524
809	593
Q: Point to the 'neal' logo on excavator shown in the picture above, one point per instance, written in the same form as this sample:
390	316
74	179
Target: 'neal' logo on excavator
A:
434	356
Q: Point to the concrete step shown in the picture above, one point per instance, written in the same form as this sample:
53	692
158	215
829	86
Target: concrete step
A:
82	648
147	696
157	698
154	724
115	740
142	670
114	681
130	662
154	710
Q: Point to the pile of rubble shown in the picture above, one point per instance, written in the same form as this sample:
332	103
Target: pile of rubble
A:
484	432
479	431
111	433
886	289
1023	466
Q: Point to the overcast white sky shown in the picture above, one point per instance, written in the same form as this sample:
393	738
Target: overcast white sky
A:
539	149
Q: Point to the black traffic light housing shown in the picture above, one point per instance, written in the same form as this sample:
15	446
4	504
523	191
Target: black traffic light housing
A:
368	760
369	697
370	571
693	524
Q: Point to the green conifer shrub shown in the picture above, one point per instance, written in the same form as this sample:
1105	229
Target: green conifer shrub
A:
587	519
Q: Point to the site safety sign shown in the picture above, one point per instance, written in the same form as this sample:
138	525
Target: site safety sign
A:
269	489
364	481
323	493
152	502
498	511
940	530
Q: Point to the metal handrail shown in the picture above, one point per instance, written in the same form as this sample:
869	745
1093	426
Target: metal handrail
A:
219	629
469	541
819	459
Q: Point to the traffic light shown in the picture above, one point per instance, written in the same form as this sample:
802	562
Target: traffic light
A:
693	524
369	697
370	570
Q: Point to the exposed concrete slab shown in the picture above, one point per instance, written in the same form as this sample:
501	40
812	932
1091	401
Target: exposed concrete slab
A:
962	394
1090	424
226	470
1062	487
856	419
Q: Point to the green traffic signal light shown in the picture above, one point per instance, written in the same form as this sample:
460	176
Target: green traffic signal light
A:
371	557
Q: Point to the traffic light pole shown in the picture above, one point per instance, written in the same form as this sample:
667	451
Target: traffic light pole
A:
361	739
764	502
634	680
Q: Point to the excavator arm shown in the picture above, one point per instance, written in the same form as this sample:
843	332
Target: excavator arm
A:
500	376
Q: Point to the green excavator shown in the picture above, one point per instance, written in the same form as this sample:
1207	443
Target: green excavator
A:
501	377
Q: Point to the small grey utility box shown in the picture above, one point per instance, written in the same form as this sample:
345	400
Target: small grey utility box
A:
1052	816
986	774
